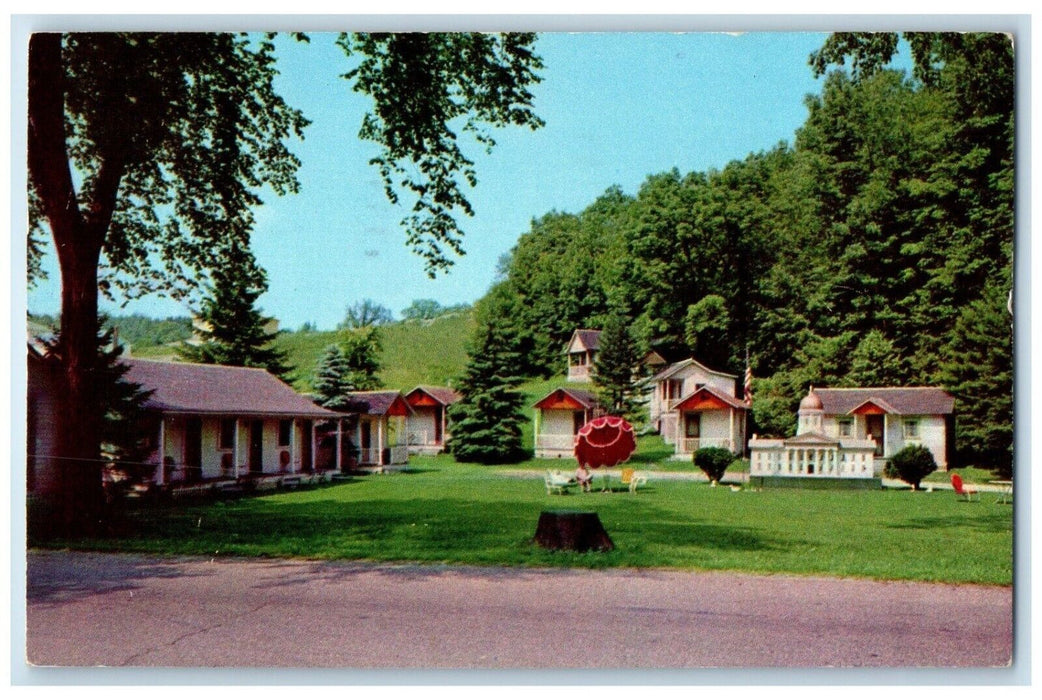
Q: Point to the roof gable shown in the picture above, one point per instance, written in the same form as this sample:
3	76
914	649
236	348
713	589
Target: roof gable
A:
908	401
182	387
574	399
706	398
432	396
584	339
379	403
690	363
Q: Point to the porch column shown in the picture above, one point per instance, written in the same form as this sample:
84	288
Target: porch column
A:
235	451
293	447
535	433
380	439
362	458
314	443
730	428
162	451
339	443
678	437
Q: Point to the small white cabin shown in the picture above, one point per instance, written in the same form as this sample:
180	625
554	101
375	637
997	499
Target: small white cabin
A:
693	406
558	417
428	424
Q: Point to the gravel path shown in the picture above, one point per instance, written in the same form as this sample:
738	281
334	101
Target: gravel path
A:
88	609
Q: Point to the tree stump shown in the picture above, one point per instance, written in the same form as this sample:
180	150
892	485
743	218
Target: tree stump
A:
575	530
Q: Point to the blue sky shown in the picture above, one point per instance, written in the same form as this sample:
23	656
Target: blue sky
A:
618	107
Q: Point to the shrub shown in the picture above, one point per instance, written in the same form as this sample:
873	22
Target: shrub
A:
714	461
911	465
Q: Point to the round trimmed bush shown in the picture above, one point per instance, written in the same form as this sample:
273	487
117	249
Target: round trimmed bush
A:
713	461
911	465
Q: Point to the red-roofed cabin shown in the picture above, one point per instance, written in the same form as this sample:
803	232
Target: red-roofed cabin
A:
380	435
428	424
708	417
558	417
894	417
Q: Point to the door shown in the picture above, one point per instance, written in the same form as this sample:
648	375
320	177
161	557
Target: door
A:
874	430
305	445
437	425
692	431
578	421
256	446
193	455
367	442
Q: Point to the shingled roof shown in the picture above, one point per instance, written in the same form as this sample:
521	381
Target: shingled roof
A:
182	387
588	339
908	401
585	399
379	403
442	394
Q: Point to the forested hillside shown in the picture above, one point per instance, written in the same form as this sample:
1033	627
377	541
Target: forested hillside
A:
874	250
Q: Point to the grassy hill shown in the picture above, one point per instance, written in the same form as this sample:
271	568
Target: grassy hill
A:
414	352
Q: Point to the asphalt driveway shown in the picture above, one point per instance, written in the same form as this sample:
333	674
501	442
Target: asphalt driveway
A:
88	609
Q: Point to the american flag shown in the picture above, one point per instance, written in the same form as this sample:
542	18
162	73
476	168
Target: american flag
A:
748	384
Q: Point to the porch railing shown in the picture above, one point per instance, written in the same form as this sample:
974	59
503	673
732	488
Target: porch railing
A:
578	372
396	454
692	445
554	442
423	438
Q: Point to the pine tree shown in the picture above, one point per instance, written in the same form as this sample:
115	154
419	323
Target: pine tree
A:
487	421
333	379
361	350
617	359
234	332
978	371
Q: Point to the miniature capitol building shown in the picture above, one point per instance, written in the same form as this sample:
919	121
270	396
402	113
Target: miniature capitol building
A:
812	453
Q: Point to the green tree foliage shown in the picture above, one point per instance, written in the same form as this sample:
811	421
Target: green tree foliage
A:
487	420
866	253
979	373
333	380
705	329
422	309
911	465
427	87
147	153
365	314
361	350
616	364
233	329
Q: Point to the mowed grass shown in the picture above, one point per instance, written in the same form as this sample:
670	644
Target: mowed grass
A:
444	513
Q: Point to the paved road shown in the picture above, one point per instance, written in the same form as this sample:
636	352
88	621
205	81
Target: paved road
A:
122	610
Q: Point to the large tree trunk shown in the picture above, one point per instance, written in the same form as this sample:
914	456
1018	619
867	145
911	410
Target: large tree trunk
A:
78	244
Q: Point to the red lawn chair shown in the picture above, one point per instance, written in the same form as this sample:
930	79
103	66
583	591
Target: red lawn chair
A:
961	489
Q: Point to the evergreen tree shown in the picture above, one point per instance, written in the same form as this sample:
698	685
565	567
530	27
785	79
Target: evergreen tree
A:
333	379
617	360
361	349
234	332
978	371
487	420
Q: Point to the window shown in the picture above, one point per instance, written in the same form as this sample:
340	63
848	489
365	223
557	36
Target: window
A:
226	436
911	428
285	428
846	427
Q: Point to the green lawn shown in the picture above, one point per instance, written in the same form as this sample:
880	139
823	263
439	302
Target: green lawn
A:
441	512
